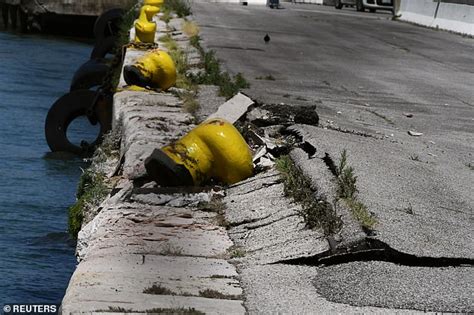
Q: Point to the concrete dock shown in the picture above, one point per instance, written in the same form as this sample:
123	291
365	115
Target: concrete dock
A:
246	248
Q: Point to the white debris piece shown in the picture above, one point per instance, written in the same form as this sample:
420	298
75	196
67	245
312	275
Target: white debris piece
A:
233	109
414	133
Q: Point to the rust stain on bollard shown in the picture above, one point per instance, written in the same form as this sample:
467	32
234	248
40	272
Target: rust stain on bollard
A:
214	149
155	69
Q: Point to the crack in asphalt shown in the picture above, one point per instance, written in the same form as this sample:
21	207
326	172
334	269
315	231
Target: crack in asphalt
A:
370	249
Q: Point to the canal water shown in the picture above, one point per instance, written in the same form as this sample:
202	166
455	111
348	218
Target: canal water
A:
36	254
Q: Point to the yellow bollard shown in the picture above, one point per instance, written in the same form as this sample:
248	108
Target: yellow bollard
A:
155	69
155	3
214	149
145	28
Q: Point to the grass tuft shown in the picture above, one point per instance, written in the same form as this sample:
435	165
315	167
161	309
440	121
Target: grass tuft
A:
116	309
190	103
190	28
217	206
180	58
182	8
361	213
157	310
171	250
195	41
175	311
236	252
158	290
212	74
345	178
166	17
347	191
214	205
213	294
317	214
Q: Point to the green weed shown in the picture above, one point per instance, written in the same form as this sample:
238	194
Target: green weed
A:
213	294
182	8
158	290
347	191
317	214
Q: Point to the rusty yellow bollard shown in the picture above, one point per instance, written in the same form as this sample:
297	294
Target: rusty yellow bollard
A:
155	69
145	28
214	149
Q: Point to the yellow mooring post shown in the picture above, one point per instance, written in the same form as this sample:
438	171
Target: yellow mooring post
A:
145	28
155	69
214	149
155	3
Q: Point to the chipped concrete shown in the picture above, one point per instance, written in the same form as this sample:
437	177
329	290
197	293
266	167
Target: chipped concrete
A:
268	231
438	224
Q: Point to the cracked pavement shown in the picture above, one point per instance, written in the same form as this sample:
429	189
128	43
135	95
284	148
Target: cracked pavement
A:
373	80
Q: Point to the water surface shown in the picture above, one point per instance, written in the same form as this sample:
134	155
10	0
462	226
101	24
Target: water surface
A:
36	256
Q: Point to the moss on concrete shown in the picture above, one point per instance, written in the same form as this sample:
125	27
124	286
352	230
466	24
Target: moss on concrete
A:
91	191
93	184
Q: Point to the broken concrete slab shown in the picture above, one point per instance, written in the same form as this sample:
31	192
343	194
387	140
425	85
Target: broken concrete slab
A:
325	187
423	209
267	226
233	109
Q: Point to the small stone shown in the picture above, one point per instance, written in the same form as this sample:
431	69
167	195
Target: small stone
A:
339	112
409	115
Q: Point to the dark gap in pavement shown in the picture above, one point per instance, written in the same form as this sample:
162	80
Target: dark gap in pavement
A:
374	250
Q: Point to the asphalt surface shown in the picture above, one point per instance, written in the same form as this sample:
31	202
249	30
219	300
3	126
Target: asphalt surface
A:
382	79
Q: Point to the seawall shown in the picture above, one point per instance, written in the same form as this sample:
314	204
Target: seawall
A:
146	248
